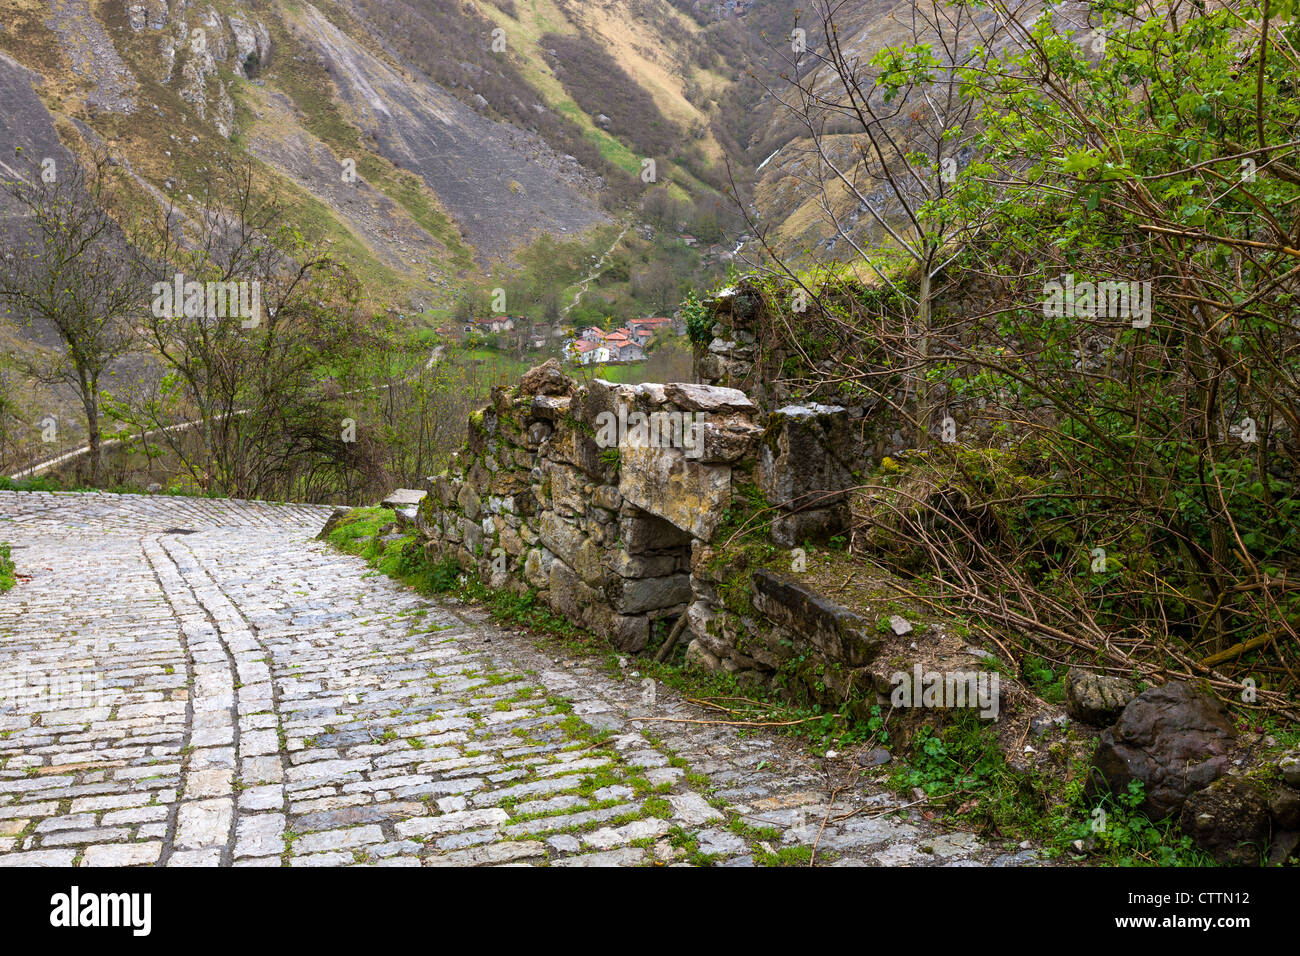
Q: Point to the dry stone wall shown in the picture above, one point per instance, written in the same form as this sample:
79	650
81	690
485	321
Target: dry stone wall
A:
605	500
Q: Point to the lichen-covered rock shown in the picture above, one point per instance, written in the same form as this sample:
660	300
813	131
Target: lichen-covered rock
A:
687	493
728	439
546	379
537	567
1096	699
837	632
803	467
708	398
1173	738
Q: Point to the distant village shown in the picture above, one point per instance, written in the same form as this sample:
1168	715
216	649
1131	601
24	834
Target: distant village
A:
594	346
589	346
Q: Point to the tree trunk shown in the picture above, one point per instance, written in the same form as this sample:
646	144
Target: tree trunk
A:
923	410
90	400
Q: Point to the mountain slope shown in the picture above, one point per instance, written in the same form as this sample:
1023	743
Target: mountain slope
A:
472	127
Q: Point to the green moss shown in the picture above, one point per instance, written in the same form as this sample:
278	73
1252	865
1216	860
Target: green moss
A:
7	572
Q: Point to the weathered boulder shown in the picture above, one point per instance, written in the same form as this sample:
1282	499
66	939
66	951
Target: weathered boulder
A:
708	398
471	534
638	595
569	595
1284	807
643	565
332	522
571	489
1096	699
564	538
1289	766
1173	738
1229	819
802	460
537	567
546	379
728	439
469	501
627	632
697	655
537	433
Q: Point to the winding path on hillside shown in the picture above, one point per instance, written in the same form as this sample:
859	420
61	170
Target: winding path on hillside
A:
196	682
38	468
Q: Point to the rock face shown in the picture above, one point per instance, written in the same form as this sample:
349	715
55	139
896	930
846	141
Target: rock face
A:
207	41
1096	699
1172	738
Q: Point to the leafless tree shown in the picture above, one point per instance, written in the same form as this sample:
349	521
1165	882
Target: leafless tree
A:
74	274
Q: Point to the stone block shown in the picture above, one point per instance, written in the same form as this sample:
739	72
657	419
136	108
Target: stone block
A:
804	456
838	633
686	492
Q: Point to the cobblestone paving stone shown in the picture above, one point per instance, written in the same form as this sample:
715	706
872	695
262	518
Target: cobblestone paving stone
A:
191	682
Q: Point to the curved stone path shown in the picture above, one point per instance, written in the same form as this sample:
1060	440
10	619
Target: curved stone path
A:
193	682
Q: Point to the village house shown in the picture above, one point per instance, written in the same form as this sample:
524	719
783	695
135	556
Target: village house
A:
623	347
586	352
645	329
491	324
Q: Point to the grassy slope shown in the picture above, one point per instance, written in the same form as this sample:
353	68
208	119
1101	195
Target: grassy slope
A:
639	50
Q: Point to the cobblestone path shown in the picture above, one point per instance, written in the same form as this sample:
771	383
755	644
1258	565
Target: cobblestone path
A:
188	682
